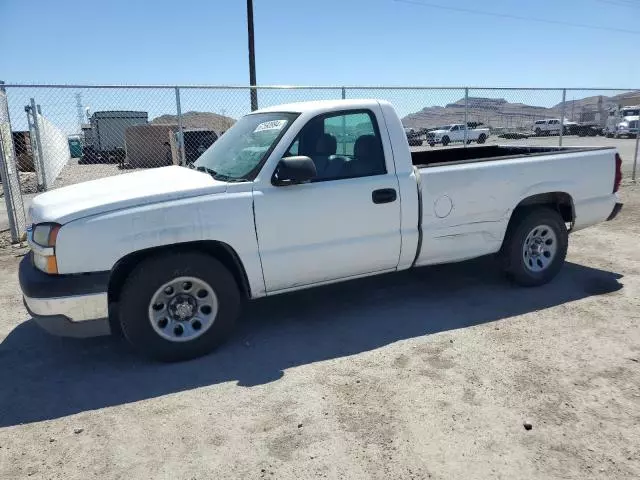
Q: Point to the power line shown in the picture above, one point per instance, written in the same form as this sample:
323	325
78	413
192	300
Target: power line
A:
620	3
518	17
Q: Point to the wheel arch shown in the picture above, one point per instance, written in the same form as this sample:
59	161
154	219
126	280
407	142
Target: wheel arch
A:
562	202
223	252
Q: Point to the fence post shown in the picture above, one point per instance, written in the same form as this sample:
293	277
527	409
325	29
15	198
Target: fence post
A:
181	152
8	172
344	125
564	98
38	144
635	158
466	115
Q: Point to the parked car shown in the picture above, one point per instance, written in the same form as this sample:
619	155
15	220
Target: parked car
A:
196	142
414	138
167	256
549	126
456	133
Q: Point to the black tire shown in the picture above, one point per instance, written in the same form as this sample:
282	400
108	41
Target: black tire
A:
445	141
538	132
432	144
154	272
482	138
521	225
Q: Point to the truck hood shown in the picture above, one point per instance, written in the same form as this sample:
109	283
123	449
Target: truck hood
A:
439	132
122	191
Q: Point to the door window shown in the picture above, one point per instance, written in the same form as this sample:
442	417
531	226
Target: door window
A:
342	145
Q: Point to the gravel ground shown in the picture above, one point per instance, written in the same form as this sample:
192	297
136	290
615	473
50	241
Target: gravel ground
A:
424	374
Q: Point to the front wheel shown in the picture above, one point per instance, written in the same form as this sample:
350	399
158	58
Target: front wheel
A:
482	138
535	246
445	141
178	306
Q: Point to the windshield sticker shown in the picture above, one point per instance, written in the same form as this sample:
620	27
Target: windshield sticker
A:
271	125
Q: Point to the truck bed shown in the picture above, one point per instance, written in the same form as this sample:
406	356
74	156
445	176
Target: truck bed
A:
466	208
447	156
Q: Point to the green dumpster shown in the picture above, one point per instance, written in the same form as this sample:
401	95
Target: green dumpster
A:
75	148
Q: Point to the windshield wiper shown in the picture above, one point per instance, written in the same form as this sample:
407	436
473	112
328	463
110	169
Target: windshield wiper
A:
218	176
210	171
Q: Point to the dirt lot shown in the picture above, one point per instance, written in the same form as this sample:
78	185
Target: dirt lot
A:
427	374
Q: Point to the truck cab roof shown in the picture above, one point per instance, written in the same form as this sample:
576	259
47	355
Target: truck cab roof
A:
320	106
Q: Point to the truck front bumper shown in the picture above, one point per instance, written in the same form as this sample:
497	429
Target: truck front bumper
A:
66	305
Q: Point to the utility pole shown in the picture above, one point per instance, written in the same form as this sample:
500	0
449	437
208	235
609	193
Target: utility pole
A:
252	57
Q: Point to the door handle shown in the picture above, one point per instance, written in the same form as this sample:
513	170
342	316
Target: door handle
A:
384	195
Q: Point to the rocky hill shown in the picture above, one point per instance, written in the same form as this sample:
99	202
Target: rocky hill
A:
499	113
592	102
209	120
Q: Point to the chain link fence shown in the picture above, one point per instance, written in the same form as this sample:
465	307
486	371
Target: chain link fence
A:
57	135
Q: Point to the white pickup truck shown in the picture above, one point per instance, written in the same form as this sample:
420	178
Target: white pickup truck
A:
456	133
292	197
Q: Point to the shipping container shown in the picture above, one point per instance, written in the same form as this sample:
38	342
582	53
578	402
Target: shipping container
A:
148	146
108	128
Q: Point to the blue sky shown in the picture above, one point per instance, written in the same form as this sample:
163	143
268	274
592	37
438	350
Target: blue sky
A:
299	42
371	42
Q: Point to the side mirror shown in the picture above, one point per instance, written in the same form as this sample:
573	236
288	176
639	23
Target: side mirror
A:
294	170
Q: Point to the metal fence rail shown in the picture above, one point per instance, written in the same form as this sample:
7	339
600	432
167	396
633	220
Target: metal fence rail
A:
114	129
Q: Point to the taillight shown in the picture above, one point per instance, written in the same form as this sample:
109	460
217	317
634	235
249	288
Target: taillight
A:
618	177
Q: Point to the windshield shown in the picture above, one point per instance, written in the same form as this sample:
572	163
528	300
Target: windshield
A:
237	155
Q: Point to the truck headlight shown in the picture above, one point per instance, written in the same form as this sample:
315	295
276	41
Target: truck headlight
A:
45	234
43	241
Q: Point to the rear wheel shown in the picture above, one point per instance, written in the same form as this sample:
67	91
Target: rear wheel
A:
178	306
535	246
482	138
445	141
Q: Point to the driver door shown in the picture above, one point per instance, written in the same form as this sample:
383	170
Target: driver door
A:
345	222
